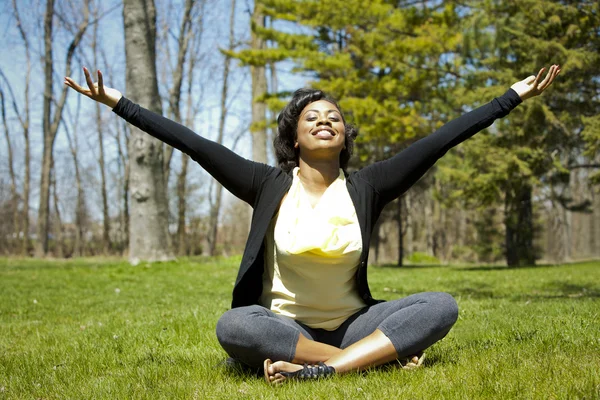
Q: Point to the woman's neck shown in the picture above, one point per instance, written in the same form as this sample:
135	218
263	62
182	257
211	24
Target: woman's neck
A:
318	174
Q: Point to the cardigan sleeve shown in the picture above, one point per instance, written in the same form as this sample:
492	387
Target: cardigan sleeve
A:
394	176
242	177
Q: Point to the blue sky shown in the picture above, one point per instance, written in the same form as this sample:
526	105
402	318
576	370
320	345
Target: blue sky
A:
81	124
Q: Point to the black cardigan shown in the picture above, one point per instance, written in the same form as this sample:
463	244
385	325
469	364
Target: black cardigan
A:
263	186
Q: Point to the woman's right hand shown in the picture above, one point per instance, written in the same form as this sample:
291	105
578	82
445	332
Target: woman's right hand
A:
97	91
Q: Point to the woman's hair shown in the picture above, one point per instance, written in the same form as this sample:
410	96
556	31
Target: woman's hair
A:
287	129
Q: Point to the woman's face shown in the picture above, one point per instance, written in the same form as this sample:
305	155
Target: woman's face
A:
321	129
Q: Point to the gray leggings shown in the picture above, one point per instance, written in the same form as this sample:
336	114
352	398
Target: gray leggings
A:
254	333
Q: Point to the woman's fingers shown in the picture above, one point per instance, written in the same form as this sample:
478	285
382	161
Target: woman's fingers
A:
549	78
101	84
538	77
73	85
89	81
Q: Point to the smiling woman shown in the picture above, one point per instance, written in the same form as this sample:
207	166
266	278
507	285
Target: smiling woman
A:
301	295
296	114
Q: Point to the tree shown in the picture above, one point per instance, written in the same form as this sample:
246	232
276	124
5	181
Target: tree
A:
24	119
177	75
540	141
148	236
216	203
101	162
51	121
80	209
259	89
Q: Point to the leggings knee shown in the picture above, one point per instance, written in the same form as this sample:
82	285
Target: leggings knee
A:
446	307
232	329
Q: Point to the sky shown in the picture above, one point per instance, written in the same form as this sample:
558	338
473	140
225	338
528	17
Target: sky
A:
79	114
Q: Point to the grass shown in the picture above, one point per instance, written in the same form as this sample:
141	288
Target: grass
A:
87	329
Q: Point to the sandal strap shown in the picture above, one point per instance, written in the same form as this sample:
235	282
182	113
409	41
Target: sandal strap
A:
317	371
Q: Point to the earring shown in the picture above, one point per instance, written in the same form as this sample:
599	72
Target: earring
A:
296	145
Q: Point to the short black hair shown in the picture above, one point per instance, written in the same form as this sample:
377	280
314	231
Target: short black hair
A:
287	129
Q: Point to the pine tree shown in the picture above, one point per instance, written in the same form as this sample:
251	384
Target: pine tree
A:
540	141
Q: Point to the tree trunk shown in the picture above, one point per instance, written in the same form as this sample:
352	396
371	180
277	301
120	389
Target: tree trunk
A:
14	198
51	122
41	247
259	88
80	207
182	242
25	125
149	236
124	189
183	41
401	232
99	125
518	220
376	240
181	208
410	232
216	205
58	236
429	228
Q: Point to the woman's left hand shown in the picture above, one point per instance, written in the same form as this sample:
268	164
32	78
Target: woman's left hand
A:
534	85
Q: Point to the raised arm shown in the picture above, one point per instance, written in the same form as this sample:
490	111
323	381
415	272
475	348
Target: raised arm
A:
396	175
240	176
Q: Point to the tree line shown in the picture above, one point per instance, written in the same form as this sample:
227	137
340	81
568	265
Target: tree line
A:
525	189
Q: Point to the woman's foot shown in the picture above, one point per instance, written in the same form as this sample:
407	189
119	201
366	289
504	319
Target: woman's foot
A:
279	371
413	362
273	369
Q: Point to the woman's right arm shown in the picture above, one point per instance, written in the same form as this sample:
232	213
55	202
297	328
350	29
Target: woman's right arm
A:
240	176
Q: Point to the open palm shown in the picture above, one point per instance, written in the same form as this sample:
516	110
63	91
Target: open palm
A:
534	85
96	91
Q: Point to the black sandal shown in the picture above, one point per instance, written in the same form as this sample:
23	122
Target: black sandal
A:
318	371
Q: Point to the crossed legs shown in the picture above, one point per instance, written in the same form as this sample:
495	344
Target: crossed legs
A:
376	335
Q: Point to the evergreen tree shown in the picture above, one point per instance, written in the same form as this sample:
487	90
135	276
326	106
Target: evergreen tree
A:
540	141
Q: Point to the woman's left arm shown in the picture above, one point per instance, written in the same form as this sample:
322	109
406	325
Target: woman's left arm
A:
394	176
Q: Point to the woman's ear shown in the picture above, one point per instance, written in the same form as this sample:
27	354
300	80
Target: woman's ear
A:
296	145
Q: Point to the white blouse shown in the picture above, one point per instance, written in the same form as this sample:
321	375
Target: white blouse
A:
312	255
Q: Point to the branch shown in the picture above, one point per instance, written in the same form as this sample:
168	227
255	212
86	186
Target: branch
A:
578	166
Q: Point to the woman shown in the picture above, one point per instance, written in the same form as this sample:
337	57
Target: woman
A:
301	296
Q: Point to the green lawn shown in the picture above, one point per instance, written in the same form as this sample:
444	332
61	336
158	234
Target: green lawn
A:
103	329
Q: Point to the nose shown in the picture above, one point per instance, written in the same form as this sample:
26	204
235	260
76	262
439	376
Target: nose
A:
323	120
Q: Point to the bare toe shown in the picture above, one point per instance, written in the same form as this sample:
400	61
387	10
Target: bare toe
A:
266	366
413	362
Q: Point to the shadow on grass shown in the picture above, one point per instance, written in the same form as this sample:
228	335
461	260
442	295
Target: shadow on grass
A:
476	268
409	266
239	369
552	290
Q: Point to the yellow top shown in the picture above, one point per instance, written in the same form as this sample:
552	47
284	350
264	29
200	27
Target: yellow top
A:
312	255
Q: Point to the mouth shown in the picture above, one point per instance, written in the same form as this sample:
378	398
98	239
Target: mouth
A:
324	133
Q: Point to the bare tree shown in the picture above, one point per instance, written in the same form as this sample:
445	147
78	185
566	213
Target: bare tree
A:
24	119
192	110
80	217
14	197
99	130
57	225
124	192
183	40
216	204
51	121
259	88
148	235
